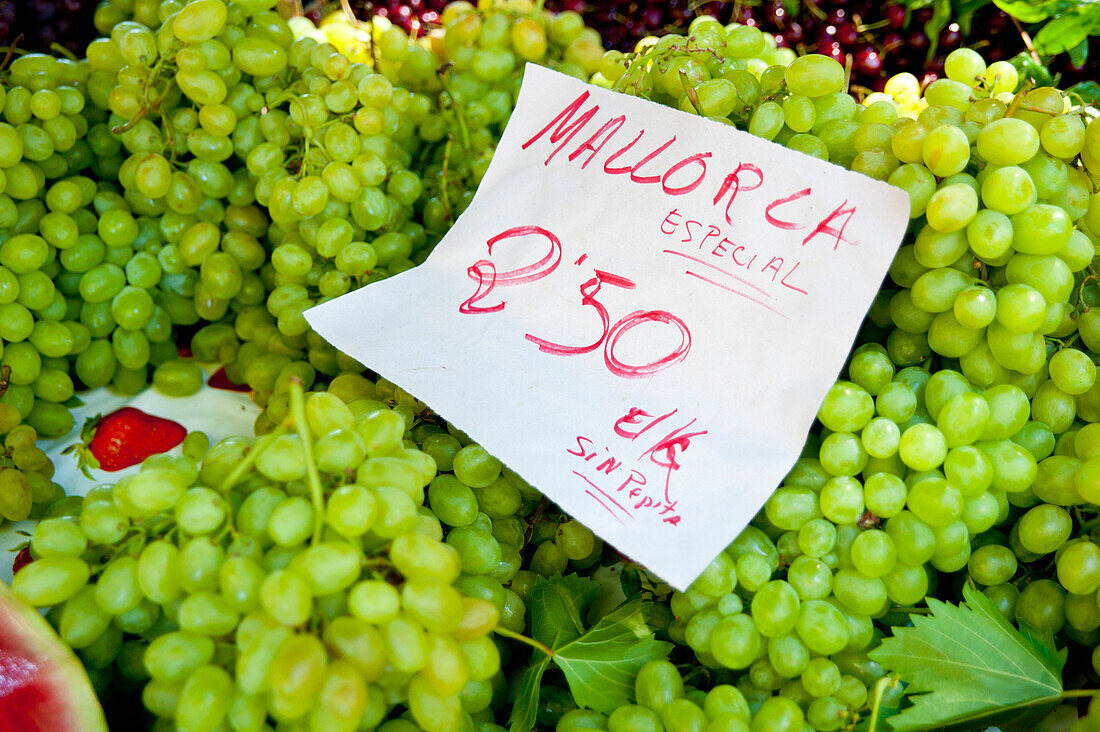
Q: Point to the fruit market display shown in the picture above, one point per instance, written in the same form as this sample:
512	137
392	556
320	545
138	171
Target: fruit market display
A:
176	200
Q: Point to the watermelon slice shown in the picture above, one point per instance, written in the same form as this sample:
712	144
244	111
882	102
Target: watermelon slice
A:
43	687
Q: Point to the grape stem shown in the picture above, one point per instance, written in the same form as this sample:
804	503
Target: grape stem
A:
441	73
880	688
1089	525
62	51
1091	277
249	458
11	51
689	90
525	640
298	411
539	511
443	192
1018	99
1026	39
142	114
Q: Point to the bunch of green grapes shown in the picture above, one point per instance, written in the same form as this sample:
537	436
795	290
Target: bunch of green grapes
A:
77	282
480	57
1002	231
664	701
736	75
906	481
347	205
295	579
26	488
471	69
279	170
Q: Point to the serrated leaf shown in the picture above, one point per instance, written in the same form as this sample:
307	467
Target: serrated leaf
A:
1044	647
600	666
1025	11
603	678
624	624
558	606
968	661
525	709
1015	718
1062	33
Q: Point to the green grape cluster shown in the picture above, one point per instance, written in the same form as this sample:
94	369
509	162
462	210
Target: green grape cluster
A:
77	303
476	67
26	488
296	579
736	75
471	68
905	481
664	702
277	171
1002	232
354	133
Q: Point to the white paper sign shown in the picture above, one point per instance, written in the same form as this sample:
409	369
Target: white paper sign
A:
640	313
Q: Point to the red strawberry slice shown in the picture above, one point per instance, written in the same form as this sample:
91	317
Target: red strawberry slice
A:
123	438
22	559
220	380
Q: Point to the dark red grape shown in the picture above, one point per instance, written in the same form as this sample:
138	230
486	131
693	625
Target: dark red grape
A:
868	62
895	16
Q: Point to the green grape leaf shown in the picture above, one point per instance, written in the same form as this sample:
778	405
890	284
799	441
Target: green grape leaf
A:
1087	91
558	606
1015	718
630	580
1027	67
965	662
1025	11
1063	33
525	710
1045	649
600	665
1079	54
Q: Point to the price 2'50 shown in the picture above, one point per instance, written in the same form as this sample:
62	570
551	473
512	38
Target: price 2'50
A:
484	273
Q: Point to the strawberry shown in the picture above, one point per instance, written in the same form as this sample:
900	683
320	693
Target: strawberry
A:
22	559
220	380
123	438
